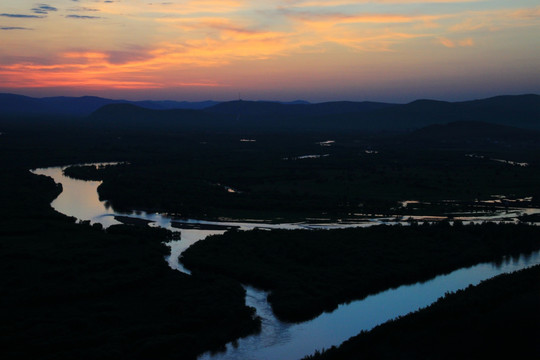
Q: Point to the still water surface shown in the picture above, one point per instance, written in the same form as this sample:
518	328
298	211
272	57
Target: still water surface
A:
293	341
279	340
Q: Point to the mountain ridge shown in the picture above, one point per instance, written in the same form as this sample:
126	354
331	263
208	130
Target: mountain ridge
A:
513	111
521	111
13	104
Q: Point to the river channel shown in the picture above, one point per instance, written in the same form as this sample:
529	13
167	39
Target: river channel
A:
279	340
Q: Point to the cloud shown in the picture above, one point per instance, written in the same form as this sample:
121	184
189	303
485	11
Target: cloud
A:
82	9
329	3
94	70
113	57
11	60
14	28
332	19
123	57
22	16
221	25
43	9
82	17
177	39
468	42
496	20
447	42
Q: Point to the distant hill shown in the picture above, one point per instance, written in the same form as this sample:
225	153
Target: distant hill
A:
170	105
514	111
128	116
235	116
11	104
294	109
521	111
518	111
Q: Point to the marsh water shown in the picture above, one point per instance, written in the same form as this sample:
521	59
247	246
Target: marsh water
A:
277	339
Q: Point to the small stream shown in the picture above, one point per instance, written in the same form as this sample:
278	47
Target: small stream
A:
279	340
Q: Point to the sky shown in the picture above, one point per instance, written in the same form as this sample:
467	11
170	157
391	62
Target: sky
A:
315	50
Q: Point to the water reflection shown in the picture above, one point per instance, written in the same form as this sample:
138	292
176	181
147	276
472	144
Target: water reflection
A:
293	341
279	340
79	198
188	238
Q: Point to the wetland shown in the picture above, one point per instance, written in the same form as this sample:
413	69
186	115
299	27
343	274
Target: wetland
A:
383	224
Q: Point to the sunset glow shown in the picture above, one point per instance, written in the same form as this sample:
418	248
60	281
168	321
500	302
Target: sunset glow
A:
386	50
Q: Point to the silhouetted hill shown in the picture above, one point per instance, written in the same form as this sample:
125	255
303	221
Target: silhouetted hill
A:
296	102
11	104
132	116
274	109
78	106
230	117
516	111
170	105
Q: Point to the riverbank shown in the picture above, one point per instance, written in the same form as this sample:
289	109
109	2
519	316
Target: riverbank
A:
499	318
196	181
309	272
286	339
348	179
75	291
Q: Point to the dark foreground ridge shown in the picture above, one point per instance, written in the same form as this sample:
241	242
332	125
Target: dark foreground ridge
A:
309	272
497	319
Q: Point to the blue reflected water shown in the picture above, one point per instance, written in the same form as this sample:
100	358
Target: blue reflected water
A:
279	340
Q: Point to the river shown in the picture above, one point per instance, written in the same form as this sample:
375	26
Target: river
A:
277	339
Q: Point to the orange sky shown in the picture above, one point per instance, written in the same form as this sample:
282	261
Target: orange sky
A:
385	50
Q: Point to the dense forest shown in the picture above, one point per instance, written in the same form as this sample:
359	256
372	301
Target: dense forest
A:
75	291
72	290
497	319
296	177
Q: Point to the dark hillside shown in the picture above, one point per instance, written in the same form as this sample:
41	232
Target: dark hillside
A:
335	117
271	109
130	116
519	111
474	133
11	104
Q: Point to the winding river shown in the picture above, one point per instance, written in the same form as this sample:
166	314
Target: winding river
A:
277	339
